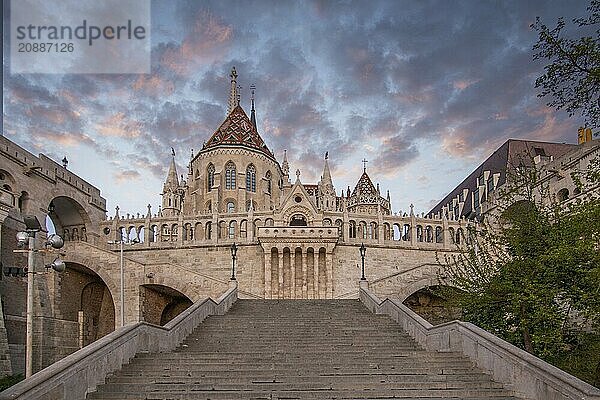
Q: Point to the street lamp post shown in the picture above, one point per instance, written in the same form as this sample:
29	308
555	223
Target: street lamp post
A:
233	253
122	274
363	251
30	292
27	237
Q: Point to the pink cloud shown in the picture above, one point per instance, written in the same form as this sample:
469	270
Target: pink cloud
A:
206	43
117	125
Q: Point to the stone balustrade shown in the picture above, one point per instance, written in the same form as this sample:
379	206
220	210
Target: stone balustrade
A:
79	373
518	370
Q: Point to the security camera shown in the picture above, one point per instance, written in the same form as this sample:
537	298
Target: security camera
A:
55	241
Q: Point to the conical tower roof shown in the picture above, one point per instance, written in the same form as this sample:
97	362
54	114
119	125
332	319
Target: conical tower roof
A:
172	180
364	187
238	130
326	178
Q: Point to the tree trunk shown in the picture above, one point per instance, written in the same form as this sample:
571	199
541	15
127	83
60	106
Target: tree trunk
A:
526	335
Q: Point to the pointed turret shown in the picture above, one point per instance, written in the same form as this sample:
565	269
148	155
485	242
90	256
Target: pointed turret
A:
172	180
285	167
366	197
172	192
234	99
326	190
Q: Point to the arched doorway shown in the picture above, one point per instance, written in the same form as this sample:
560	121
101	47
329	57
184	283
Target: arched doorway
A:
434	304
85	304
159	304
69	219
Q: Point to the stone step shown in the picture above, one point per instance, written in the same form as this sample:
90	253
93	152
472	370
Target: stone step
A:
440	381
299	349
322	394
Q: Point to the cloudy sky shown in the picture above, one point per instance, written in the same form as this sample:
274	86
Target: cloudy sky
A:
424	90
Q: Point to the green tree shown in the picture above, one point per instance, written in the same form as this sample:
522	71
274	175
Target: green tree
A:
531	273
572	79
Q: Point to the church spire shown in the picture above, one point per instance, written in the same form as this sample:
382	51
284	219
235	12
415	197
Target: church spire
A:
285	166
172	180
234	98
326	178
252	112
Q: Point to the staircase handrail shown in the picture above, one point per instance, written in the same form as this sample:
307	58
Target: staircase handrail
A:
518	370
78	374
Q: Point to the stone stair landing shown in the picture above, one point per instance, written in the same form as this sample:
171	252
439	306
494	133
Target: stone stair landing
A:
300	349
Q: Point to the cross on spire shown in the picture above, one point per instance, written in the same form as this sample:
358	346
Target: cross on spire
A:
364	161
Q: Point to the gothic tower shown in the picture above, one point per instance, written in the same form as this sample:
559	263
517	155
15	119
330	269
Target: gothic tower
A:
172	192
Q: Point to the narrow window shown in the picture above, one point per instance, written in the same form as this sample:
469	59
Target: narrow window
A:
251	178
230	176
210	177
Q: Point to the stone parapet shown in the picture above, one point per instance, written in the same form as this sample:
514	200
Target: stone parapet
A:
525	374
78	374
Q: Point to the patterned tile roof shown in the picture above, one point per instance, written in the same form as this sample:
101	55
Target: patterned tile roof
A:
237	129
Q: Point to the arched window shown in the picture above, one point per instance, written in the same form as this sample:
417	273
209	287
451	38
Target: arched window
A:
439	236
230	175
251	178
231	231
352	230
230	207
268	178
208	230
210	176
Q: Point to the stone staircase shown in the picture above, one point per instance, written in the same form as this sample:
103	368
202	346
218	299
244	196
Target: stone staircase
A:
299	349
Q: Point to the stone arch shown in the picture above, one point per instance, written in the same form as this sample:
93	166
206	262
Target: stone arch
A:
298	219
160	303
298	209
563	194
86	295
67	214
352	229
431	303
386	231
96	312
198	231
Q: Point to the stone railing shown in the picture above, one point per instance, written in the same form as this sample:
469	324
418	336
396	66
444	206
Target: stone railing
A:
519	371
78	374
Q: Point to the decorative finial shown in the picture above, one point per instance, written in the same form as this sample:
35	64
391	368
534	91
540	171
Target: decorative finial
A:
65	162
364	161
252	111
326	155
233	92
412	206
297	174
173	151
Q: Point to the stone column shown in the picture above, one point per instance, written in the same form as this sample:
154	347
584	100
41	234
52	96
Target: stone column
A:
293	273
329	269
304	273
267	281
280	294
316	274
